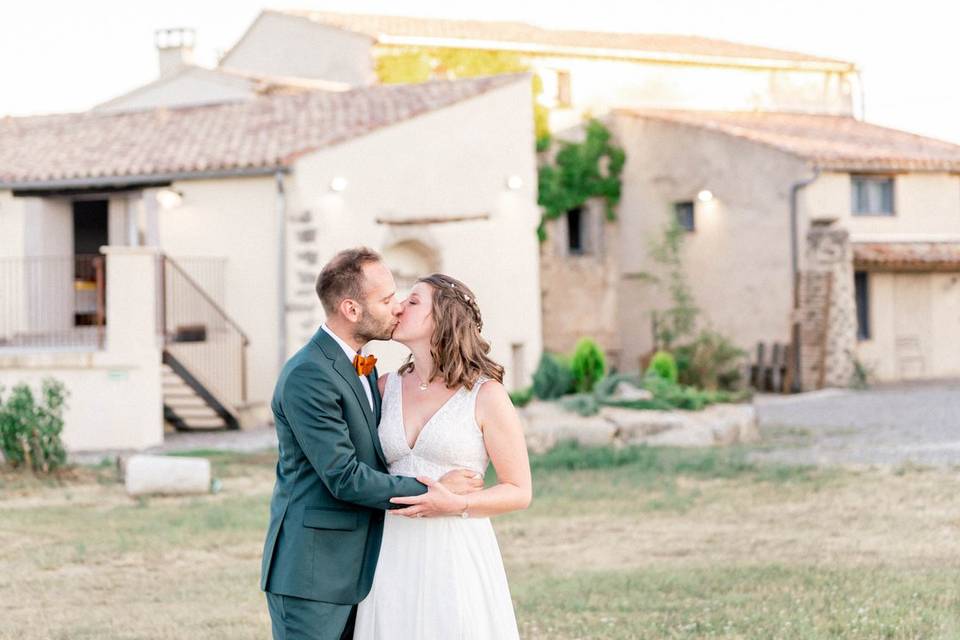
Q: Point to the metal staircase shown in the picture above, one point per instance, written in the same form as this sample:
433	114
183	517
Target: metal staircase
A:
204	355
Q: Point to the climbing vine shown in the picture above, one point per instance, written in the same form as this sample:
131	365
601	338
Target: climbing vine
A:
580	171
405	65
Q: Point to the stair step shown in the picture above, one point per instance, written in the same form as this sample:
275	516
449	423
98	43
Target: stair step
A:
191	402
205	423
194	412
180	393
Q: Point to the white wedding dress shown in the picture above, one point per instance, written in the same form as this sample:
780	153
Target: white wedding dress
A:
438	578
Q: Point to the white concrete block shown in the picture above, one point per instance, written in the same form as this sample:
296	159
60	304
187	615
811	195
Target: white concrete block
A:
166	475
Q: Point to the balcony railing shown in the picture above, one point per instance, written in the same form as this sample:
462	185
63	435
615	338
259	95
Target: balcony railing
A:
52	302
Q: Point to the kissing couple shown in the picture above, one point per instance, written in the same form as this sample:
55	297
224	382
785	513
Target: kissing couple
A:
380	519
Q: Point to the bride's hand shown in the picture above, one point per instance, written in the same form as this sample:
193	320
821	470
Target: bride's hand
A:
462	481
437	501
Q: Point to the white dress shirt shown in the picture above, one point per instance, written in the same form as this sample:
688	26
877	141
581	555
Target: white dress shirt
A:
347	349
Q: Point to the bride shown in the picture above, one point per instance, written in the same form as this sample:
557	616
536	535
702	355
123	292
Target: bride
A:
439	573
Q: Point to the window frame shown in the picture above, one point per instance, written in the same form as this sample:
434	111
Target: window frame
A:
876	178
583	248
693	214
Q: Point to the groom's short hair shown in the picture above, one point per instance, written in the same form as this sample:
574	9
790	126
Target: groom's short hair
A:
343	278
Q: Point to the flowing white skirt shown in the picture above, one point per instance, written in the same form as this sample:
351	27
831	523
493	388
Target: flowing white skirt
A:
438	579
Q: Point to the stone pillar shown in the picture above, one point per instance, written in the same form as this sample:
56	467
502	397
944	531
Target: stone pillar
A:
828	330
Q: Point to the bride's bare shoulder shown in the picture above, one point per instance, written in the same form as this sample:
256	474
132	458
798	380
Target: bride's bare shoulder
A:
491	394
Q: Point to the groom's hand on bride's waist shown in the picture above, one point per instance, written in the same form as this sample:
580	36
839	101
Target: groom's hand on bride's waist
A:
439	500
462	481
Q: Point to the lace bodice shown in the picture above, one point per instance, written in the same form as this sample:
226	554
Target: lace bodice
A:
451	438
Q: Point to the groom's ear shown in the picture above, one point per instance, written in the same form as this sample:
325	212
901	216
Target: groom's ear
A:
350	309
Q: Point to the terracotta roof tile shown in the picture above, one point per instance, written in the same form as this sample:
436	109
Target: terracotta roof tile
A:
830	142
907	256
264	133
381	27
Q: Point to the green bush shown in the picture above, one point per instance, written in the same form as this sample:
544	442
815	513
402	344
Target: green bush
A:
679	396
710	362
588	365
664	365
30	431
553	378
521	397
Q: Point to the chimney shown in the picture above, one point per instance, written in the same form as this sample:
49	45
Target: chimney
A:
174	49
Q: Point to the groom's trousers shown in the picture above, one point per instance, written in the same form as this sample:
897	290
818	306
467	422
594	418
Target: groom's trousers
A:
299	619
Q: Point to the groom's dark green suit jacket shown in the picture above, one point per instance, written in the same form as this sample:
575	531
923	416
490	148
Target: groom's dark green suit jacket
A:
327	509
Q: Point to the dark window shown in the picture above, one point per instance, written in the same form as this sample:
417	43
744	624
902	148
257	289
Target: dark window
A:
872	195
684	212
576	240
861	290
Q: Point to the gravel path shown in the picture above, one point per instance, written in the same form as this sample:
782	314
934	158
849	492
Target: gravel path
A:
893	425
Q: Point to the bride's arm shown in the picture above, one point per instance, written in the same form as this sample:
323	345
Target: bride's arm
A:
503	437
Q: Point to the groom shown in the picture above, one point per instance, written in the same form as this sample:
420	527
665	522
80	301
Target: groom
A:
332	487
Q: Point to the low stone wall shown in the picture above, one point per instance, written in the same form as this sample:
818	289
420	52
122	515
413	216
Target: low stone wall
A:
547	423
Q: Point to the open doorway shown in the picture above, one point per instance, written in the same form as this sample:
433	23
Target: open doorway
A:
90	232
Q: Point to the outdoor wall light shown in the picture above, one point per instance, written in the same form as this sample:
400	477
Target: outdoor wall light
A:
514	182
169	198
705	195
338	184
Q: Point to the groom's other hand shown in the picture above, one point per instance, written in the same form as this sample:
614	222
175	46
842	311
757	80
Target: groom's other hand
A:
462	481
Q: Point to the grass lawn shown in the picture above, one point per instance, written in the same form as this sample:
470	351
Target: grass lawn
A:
637	543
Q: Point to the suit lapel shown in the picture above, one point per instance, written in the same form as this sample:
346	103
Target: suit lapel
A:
344	367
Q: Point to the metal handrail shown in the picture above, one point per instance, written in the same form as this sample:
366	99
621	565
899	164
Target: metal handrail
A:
206	296
183	299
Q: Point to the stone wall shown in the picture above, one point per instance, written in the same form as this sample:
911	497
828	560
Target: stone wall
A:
579	291
828	322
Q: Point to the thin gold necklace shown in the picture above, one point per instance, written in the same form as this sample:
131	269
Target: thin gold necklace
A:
423	385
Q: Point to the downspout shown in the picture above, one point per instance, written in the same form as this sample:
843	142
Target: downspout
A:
795	273
281	270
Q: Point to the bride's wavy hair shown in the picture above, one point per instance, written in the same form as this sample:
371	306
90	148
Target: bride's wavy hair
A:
458	350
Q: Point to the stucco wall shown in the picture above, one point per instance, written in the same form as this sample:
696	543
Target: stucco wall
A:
600	84
737	260
235	219
445	164
926	205
914	326
289	46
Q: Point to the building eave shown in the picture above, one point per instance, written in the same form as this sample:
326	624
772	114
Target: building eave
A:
94	182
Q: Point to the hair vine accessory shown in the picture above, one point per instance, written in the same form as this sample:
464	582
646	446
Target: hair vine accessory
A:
471	303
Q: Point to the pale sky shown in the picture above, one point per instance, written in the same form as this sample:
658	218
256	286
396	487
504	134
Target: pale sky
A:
69	55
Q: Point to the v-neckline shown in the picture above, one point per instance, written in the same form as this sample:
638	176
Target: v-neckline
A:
403	422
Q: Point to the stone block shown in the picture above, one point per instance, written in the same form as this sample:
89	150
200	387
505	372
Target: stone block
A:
166	475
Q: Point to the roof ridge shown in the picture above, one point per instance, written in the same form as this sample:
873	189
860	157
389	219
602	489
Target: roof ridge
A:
317	16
